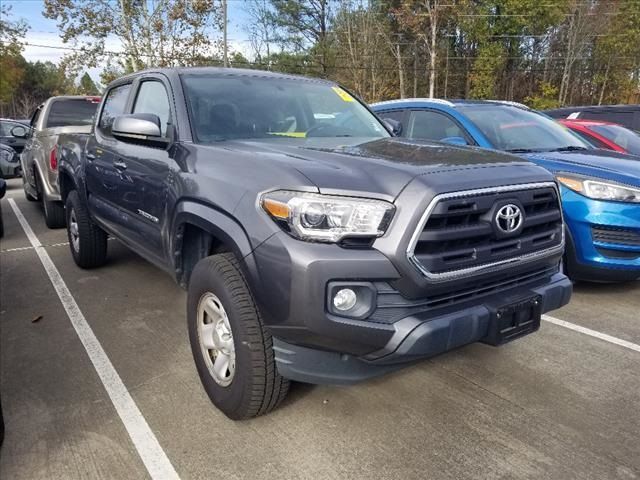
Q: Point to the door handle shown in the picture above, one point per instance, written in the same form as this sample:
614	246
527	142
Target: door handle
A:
91	156
120	165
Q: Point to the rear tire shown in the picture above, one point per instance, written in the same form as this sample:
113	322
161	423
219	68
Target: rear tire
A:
87	241
250	385
54	215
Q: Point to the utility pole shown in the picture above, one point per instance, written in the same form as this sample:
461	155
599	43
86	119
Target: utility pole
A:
225	50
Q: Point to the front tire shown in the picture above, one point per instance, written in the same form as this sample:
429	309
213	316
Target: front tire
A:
232	349
87	241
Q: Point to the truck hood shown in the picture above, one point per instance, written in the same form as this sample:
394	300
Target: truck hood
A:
383	166
604	164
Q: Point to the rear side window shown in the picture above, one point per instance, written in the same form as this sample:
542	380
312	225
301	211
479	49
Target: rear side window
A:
152	98
115	104
68	112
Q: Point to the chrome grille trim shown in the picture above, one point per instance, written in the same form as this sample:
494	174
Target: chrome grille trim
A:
488	267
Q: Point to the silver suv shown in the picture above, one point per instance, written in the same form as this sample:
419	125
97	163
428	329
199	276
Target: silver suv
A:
69	114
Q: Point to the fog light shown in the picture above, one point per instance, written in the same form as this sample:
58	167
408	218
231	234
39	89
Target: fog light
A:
345	299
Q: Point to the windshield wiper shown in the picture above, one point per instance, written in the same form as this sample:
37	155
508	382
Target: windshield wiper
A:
521	150
569	148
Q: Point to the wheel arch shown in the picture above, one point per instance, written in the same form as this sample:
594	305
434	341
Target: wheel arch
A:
66	183
200	231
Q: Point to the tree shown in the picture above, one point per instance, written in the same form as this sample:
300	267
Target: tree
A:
11	62
306	25
423	18
152	32
262	29
87	86
362	59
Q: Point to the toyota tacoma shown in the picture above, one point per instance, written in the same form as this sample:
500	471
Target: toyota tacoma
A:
314	246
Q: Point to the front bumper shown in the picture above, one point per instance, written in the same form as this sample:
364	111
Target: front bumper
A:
596	259
415	338
290	280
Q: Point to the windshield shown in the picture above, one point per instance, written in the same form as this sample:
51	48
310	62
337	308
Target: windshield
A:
624	137
76	111
516	130
231	107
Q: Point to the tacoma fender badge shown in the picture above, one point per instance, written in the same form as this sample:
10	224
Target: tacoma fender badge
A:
148	216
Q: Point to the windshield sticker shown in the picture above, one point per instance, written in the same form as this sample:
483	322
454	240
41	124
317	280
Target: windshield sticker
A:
289	134
342	94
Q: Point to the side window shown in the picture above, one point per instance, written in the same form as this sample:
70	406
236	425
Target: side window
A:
114	104
152	98
397	115
35	116
430	125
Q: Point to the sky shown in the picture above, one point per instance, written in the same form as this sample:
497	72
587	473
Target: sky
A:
43	31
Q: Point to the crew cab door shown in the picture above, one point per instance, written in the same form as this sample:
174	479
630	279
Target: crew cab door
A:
147	168
106	187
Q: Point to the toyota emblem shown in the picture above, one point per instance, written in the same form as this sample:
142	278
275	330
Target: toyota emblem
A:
509	218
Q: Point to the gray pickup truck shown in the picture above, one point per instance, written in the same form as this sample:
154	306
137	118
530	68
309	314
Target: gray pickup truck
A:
314	246
69	114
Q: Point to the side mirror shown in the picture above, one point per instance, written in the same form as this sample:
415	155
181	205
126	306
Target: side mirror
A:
3	187
19	131
142	128
455	141
394	126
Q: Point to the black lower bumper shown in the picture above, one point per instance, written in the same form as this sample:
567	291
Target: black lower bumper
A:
415	338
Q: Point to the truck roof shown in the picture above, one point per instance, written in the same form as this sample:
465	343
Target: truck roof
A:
240	72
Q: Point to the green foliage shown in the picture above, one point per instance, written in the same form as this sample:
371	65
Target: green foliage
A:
87	86
11	62
485	69
546	99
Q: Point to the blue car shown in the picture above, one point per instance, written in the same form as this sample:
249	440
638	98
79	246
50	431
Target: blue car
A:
600	188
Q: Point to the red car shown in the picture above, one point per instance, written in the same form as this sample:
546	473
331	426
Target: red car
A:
609	136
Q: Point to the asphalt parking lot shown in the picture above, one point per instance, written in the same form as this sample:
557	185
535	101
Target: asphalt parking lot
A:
560	404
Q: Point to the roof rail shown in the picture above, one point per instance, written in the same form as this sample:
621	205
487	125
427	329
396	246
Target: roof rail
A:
509	102
429	100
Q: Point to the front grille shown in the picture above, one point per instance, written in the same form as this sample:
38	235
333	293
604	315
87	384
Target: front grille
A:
458	233
618	236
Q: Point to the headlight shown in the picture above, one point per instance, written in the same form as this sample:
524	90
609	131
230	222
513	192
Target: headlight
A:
327	218
600	189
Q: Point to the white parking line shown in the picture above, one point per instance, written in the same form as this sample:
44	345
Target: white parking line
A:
144	440
20	249
592	333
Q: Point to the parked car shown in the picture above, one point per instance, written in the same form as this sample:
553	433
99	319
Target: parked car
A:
626	115
600	189
314	246
606	135
7	136
9	162
39	159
